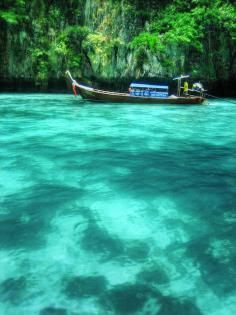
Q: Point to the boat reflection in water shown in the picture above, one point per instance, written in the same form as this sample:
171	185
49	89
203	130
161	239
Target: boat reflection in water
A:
138	93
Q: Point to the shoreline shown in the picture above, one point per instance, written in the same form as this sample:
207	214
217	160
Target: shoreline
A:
61	86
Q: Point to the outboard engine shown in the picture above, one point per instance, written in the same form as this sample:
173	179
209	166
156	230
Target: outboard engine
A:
198	87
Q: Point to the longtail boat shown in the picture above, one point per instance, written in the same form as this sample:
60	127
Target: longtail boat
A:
151	94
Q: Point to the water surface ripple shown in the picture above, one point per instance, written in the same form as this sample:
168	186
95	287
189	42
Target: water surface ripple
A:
116	209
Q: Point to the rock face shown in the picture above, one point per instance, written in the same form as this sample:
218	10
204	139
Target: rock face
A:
94	38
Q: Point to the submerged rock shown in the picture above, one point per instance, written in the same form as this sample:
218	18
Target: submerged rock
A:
137	299
53	311
81	286
100	241
172	306
217	272
137	250
15	233
131	298
155	275
12	289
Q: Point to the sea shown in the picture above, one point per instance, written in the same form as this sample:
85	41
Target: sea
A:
109	209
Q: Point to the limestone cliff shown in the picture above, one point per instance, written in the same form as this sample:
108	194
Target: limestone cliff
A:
112	42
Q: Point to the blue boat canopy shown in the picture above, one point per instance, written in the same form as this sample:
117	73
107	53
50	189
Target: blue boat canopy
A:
148	86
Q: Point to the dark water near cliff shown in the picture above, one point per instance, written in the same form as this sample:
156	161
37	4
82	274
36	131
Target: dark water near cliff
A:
116	209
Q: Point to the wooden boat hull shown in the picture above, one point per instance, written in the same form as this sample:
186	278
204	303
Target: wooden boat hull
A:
96	95
102	96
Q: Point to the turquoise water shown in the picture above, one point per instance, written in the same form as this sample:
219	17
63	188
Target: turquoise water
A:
116	209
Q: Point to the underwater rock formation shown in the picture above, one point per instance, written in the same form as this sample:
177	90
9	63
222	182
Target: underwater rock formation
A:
53	311
99	241
82	286
131	298
12	289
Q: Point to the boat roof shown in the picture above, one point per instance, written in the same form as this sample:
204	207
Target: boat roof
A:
149	86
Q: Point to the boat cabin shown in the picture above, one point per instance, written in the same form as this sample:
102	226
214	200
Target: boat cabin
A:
148	90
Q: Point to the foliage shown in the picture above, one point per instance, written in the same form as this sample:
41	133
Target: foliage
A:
12	11
147	40
187	25
136	34
101	48
190	22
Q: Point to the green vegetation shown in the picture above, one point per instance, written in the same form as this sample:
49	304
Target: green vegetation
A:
12	11
111	39
189	25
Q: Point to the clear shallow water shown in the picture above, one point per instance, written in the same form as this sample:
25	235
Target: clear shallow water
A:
116	209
